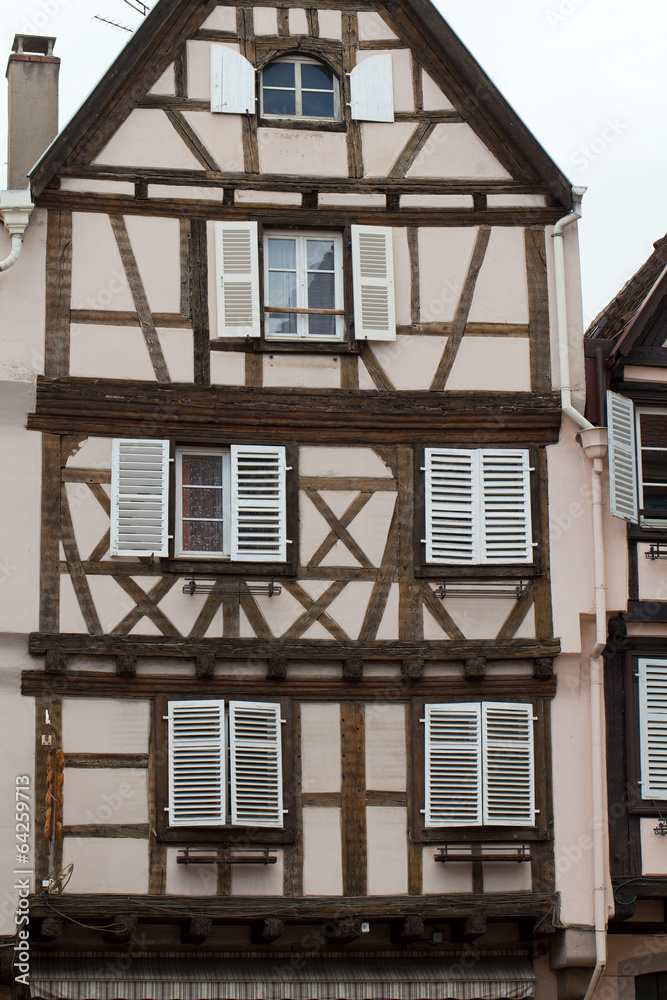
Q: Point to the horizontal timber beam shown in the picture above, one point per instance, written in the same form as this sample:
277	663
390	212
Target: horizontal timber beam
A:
302	910
295	649
86	406
203	209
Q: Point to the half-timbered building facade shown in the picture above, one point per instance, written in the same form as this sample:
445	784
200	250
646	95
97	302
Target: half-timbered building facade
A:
626	359
300	615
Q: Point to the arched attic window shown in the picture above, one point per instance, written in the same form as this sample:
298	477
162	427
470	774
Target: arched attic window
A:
298	86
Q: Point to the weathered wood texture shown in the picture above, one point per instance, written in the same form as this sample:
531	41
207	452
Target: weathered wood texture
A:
137	409
198	287
58	293
538	310
293	853
49	575
353	818
48	857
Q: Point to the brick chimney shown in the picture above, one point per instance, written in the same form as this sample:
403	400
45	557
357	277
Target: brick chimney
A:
32	75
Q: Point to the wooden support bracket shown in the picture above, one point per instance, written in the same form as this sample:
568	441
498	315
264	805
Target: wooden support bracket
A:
412	928
126	666
413	669
475	670
205	666
343	931
196	930
276	668
126	924
267	931
353	668
543	667
470	929
49	928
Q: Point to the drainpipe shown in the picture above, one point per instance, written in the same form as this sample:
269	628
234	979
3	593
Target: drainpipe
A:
594	443
561	308
15	208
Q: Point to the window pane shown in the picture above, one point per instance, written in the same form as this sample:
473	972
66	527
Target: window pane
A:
282	254
316	77
321	291
202	502
279	74
315	105
653	427
320	255
202	470
202	536
279	102
321	326
282	324
282	288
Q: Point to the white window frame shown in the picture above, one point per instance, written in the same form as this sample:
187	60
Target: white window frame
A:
226	749
647	522
302	285
298	61
486	752
179	551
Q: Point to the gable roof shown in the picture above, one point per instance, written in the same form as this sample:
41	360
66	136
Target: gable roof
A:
155	44
633	313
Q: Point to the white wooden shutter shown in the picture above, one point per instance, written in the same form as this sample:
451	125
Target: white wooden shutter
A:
238	279
373	283
197	782
453	765
372	90
504	478
255	763
259	503
451	506
622	457
232	82
139	497
509	781
653	728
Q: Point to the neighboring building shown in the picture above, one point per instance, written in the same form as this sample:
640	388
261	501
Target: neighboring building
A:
627	359
307	597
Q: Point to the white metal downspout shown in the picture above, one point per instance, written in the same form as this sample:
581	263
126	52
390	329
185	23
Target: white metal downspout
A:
594	443
15	209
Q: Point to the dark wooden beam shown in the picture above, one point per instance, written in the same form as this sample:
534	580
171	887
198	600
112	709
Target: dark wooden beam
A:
145	409
267	931
410	929
471	928
126	927
196	930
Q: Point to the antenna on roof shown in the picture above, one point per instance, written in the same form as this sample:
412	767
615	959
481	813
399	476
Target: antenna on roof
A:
138	5
114	24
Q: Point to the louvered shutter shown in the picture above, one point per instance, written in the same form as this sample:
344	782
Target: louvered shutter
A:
509	782
504	478
453	765
238	279
452	510
622	457
373	280
372	90
653	727
232	82
255	764
197	781
259	503
139	497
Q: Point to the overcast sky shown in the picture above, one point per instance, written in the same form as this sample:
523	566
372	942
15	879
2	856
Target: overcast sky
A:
587	77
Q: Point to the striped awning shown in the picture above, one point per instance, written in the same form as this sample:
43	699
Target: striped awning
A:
297	979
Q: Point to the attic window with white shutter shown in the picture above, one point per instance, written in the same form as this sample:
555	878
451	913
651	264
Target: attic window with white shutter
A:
224	767
296	86
479	765
637	462
477	507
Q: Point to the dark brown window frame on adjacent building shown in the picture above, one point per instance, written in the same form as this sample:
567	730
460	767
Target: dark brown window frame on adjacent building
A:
455	571
229	835
487	834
